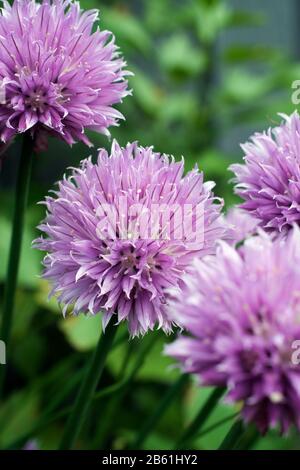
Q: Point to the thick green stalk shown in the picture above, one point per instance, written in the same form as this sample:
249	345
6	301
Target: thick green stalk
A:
88	387
233	436
195	427
158	413
22	190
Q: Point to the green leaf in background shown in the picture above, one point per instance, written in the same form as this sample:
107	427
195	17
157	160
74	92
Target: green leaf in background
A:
238	53
275	441
179	107
215	165
42	297
161	17
128	30
194	402
149	96
25	310
180	58
30	258
82	331
17	415
246	18
156	366
284	75
241	86
210	18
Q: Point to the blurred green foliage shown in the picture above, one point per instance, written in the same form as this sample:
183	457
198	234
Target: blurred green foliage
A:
187	93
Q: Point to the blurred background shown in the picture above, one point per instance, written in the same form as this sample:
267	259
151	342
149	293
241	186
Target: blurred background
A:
208	73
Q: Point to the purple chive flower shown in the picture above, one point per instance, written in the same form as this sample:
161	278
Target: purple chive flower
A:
57	74
241	308
104	256
269	181
241	224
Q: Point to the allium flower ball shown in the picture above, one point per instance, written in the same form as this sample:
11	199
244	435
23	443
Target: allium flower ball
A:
56	74
113	244
242	310
269	181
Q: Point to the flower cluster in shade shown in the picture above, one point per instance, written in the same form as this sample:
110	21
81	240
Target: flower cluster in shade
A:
241	309
93	268
57	75
269	180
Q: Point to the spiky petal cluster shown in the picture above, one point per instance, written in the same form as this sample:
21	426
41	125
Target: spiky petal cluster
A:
96	266
55	72
242	310
269	181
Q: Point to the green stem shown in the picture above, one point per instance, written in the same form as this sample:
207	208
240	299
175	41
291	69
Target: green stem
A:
233	436
108	413
49	418
216	425
158	413
248	439
115	401
22	190
202	416
88	387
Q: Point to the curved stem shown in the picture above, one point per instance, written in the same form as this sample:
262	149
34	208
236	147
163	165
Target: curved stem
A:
233	436
22	190
203	414
88	387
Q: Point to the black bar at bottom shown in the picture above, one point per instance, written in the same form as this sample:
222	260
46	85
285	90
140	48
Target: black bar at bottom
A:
134	459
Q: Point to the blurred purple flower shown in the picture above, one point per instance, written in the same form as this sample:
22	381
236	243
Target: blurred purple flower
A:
95	268
57	73
241	224
31	445
269	181
241	308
